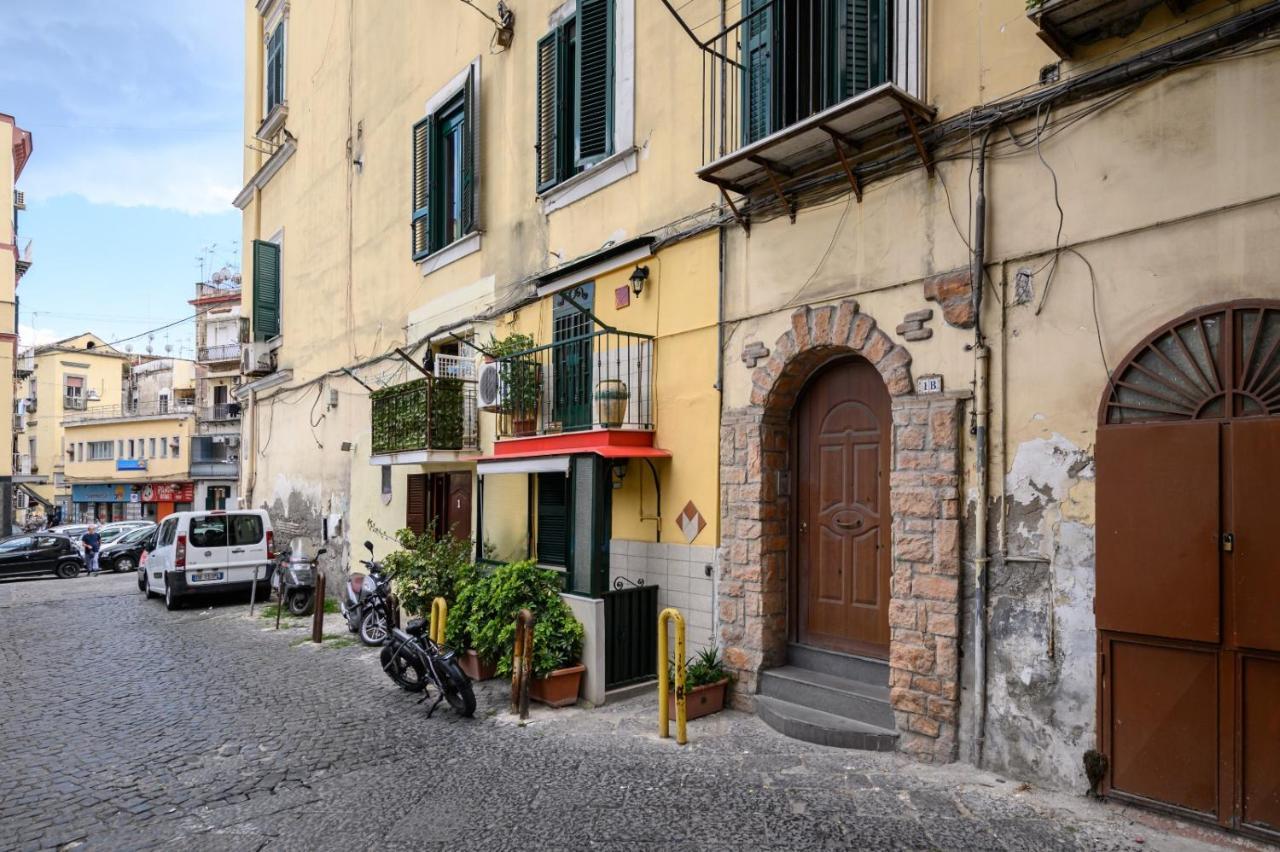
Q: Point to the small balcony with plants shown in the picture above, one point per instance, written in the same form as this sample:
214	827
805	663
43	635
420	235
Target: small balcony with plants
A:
432	418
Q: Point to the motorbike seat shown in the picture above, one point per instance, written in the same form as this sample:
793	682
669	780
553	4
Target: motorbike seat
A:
417	626
357	583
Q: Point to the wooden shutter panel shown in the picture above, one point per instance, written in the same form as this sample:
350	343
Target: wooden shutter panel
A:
548	109
865	36
415	511
470	106
421	187
757	61
553	519
266	290
593	82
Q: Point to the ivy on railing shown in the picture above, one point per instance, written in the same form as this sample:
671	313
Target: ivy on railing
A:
427	413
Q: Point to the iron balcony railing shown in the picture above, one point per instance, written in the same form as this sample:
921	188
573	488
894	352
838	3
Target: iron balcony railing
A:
431	413
220	411
220	352
601	380
215	456
73	403
160	408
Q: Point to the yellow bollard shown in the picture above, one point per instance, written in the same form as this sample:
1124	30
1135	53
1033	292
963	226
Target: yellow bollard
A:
436	632
664	720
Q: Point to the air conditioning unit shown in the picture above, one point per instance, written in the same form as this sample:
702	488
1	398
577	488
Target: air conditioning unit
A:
489	391
256	359
92	395
31	405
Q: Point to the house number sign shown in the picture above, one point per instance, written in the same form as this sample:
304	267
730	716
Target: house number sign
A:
929	384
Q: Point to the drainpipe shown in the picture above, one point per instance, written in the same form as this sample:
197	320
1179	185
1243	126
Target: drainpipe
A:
982	362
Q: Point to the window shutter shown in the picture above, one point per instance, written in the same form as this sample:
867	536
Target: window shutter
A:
421	190
864	25
266	290
593	82
548	109
470	107
415	512
757	62
553	519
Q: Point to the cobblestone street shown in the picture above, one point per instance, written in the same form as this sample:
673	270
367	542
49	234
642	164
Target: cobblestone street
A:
130	727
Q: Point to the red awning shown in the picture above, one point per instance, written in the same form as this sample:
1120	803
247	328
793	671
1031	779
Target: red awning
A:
606	443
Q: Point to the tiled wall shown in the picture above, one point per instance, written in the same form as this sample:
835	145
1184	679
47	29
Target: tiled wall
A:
681	574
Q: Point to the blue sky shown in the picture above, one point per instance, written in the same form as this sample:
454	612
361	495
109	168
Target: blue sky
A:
135	108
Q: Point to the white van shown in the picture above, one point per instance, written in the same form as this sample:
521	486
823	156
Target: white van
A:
209	553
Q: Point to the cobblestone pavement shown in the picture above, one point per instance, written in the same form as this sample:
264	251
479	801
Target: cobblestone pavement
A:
129	727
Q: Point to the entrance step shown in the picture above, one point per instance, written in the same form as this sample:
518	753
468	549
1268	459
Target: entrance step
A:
855	700
847	666
816	726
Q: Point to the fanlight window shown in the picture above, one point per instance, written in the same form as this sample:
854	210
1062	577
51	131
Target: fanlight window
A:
1221	363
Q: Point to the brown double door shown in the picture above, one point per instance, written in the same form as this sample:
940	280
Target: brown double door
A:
840	597
1188	611
439	503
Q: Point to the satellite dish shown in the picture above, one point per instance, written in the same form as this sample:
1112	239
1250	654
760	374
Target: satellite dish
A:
128	347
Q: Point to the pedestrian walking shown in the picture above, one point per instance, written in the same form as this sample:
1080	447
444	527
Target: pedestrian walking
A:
91	541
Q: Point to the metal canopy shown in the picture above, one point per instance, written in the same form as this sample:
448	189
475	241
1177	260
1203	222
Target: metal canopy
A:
536	464
1064	24
837	134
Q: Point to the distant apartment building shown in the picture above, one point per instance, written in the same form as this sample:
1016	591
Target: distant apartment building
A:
215	447
129	458
19	148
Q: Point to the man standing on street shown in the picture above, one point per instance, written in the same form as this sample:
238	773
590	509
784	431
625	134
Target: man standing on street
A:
92	541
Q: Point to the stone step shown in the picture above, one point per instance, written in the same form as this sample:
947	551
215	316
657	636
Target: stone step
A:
851	699
815	726
849	666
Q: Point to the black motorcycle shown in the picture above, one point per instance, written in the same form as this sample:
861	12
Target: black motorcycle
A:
365	603
413	661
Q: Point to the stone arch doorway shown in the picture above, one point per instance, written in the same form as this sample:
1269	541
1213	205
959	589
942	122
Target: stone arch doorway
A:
1188	572
839	591
758	526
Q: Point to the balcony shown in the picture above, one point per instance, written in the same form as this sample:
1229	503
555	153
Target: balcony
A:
25	365
600	380
221	412
436	414
215	456
1065	25
219	354
131	411
19	200
74	403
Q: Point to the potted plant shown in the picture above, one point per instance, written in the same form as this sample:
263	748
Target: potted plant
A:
458	633
521	379
492	604
425	568
611	402
705	683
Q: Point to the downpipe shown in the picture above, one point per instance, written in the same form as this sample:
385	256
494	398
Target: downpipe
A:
981	404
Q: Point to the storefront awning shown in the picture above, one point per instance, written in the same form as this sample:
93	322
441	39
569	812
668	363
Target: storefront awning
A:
547	464
557	460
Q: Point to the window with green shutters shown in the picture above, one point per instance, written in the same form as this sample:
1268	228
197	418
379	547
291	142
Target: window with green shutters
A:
575	93
800	57
444	173
553	519
275	67
266	290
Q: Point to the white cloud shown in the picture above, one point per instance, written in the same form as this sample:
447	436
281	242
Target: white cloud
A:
30	336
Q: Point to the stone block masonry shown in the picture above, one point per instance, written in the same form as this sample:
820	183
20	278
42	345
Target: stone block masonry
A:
755	553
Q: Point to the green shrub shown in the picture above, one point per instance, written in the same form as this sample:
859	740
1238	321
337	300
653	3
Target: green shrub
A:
424	569
485	617
706	668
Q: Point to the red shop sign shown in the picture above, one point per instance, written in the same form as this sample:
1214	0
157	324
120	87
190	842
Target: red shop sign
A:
168	492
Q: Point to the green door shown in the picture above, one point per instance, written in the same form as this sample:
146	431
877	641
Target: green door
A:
571	357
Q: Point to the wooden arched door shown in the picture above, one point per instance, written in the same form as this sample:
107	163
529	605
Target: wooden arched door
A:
842	430
1188	568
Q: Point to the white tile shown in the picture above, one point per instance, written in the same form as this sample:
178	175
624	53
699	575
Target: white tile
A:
702	553
700	586
677	583
699	603
679	600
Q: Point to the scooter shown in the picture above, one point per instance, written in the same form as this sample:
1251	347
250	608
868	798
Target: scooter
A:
296	573
365	602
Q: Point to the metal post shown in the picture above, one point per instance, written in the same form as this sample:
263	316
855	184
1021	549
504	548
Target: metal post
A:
439	605
279	600
664	714
317	615
521	664
253	593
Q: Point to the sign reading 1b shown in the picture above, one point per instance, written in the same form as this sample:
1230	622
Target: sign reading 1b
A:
929	384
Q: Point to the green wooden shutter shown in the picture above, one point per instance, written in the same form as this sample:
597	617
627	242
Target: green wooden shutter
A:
864	27
757	72
593	82
266	290
553	519
421	190
467	216
548	110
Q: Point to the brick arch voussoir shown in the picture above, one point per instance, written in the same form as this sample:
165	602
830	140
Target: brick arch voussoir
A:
817	335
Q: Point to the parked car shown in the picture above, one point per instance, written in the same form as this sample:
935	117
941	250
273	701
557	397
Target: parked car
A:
124	551
209	552
38	553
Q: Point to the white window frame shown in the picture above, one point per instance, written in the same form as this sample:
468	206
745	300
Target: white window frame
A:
95	450
911	26
468	243
274	14
625	158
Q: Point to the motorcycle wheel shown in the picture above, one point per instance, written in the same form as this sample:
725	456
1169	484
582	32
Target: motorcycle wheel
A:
373	627
298	602
405	669
457	690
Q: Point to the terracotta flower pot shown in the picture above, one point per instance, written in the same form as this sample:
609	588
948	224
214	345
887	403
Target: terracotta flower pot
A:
474	667
558	689
611	402
700	701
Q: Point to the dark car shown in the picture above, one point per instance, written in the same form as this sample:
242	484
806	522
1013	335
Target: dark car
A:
38	553
124	553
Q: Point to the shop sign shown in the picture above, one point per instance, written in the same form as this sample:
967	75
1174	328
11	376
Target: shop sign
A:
100	493
168	492
131	464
